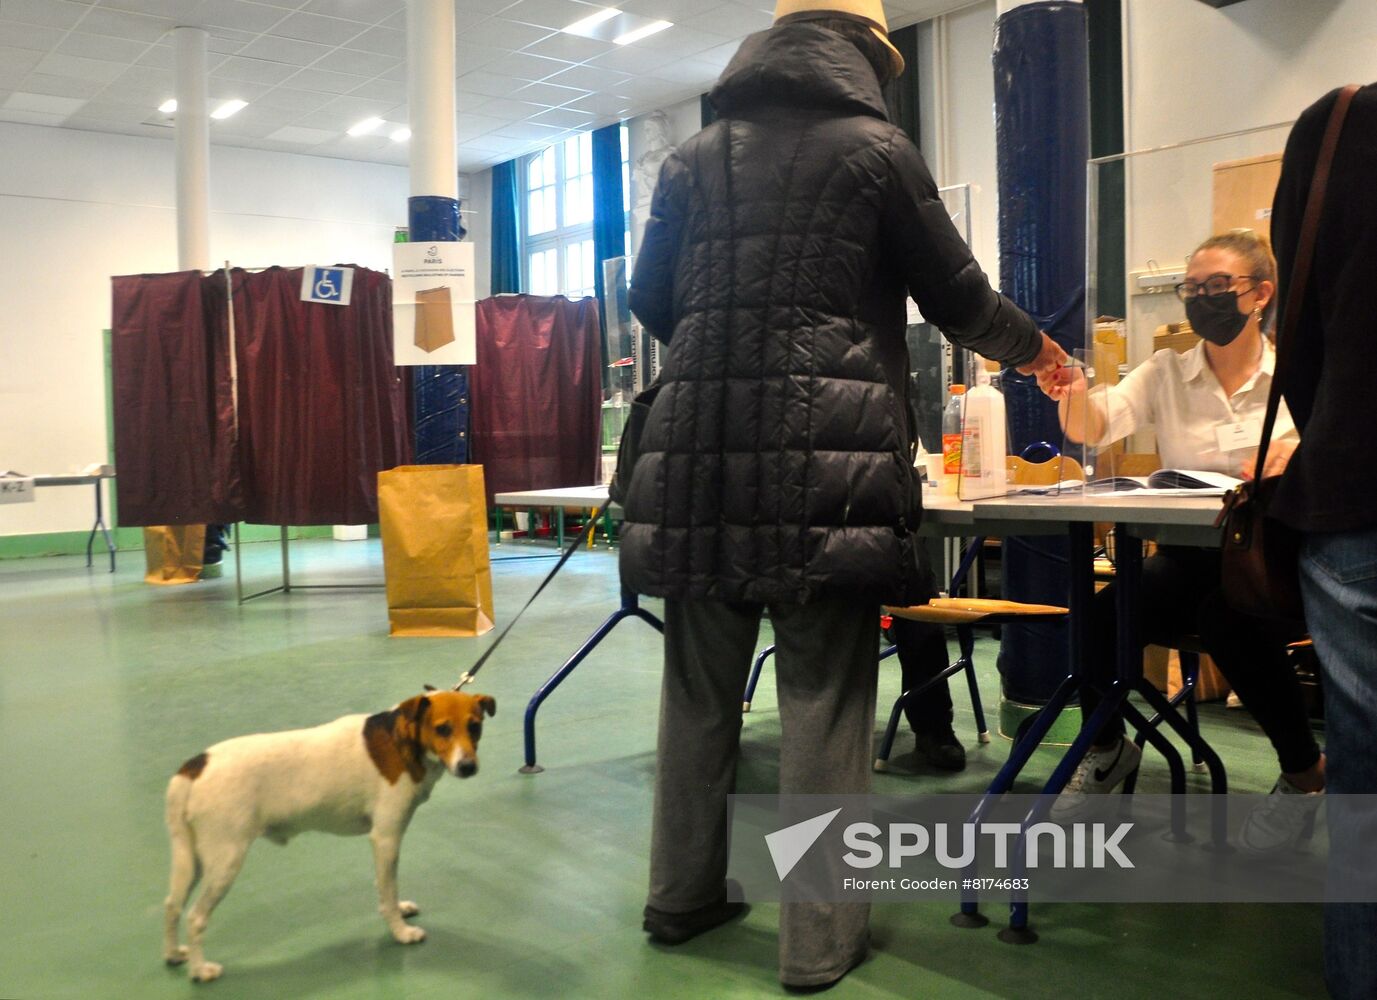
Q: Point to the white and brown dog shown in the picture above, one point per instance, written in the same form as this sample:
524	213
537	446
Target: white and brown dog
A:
359	774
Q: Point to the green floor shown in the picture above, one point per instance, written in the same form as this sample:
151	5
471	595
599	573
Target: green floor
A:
530	886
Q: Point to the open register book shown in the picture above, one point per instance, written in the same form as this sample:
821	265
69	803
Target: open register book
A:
1167	482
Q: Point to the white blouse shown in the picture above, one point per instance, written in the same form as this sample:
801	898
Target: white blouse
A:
1198	426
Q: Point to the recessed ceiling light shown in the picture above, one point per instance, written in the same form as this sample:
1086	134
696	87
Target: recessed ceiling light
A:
168	106
591	21
229	108
402	134
654	28
366	127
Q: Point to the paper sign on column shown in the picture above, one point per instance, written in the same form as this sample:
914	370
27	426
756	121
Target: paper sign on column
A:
433	304
16	488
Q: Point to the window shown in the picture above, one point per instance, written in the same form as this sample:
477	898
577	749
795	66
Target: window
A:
557	238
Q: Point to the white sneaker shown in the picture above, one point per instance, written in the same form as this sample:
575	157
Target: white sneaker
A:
1282	821
1233	701
1099	773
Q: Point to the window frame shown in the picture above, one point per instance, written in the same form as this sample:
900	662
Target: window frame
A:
562	237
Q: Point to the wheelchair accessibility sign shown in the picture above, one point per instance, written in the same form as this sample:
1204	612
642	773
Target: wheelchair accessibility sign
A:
329	286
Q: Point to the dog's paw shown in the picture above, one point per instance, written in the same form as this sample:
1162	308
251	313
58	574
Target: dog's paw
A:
206	971
175	957
408	908
409	935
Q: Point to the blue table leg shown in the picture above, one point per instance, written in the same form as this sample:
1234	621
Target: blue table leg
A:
754	679
630	608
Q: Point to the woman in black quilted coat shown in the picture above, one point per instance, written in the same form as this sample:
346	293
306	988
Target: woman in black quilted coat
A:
776	465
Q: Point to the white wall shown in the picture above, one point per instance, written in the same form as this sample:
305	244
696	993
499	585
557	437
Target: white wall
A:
78	207
477	215
1194	71
957	117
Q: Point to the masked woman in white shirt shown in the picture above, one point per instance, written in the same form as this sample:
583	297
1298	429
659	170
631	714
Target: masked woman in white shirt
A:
1206	407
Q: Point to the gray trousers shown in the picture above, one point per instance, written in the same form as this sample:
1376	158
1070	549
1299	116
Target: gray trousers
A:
825	667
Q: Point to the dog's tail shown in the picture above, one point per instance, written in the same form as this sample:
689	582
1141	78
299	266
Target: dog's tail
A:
184	869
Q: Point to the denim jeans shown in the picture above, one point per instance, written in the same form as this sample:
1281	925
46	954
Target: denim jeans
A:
1339	584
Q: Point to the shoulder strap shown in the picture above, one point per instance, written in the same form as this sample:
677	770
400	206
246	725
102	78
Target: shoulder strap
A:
1299	277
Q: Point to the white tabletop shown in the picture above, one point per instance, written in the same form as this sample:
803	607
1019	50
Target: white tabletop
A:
1185	511
568	496
75	479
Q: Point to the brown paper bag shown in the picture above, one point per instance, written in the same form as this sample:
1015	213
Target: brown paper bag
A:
434	521
173	553
434	319
1162	667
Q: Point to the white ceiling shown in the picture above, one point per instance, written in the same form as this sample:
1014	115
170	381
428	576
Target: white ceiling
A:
311	68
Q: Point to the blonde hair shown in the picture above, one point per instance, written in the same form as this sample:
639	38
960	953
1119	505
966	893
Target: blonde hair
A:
1256	251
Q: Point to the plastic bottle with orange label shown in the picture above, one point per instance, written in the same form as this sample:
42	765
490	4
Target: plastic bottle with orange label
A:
951	438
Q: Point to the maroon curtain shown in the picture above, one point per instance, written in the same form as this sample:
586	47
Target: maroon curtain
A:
174	411
537	393
321	406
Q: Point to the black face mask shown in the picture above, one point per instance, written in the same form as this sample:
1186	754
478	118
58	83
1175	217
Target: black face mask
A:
1216	317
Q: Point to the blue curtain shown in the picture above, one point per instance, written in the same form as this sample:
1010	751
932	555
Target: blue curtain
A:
609	216
506	246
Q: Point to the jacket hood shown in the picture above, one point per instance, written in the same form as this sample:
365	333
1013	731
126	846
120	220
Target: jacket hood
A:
799	65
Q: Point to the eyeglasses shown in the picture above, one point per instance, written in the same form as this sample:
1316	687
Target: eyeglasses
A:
1215	284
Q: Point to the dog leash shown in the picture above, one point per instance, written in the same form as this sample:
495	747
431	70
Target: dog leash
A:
472	672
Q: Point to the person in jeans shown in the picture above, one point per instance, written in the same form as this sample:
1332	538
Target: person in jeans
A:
776	461
1223	382
1329	491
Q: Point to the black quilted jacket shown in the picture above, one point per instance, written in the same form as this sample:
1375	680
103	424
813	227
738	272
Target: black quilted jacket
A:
776	462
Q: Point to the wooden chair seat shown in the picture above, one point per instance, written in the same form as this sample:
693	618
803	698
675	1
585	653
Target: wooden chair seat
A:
976	611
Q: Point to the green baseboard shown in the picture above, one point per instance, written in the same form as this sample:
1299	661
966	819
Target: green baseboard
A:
73	543
1012	714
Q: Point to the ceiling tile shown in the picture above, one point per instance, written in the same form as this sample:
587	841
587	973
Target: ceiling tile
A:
691	71
590	78
367	11
255	70
554	14
498	33
159	57
99	70
571	48
472	126
564	118
548	94
228	41
303	102
603	104
182	11
385	41
50	13
15	64
525	66
490	84
115	111
468	101
292	51
325	82
381	90
61	86
679	42
525	130
510	110
314	28
368	64
30	117
302	136
346	112
43	103
630	59
243	15
734	20
673	10
119	24
242	90
78	43
27	36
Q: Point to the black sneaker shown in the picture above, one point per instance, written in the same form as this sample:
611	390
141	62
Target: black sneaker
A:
941	749
676	928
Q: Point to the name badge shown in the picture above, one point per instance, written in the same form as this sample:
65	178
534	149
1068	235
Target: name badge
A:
1235	437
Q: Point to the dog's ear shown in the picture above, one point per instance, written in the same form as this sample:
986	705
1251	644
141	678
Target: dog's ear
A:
414	709
489	704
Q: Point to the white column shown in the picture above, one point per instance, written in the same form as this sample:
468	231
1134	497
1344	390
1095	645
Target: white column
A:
192	132
430	96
